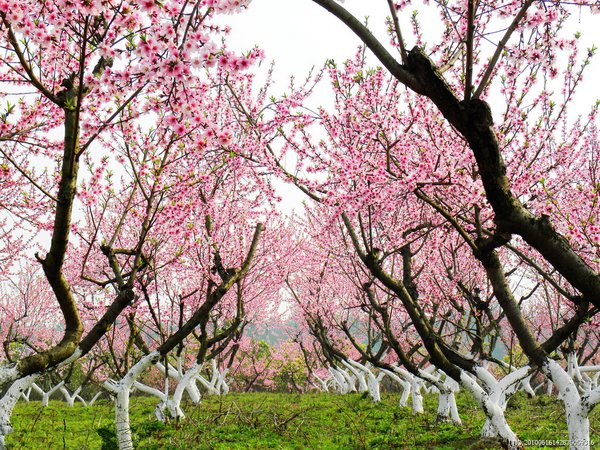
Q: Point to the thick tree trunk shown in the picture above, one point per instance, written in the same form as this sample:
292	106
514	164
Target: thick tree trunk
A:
499	393
490	402
447	410
8	402
577	407
122	389
124	440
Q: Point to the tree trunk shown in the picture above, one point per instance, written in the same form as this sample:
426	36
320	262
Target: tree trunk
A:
372	383
350	380
70	398
47	395
417	397
447	410
489	402
174	405
191	388
577	407
358	375
8	402
210	389
339	379
122	390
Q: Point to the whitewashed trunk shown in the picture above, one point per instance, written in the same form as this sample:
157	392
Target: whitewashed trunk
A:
46	396
38	389
443	411
8	402
8	374
210	389
174	405
170	408
70	398
222	388
191	388
334	380
447	410
94	398
372	382
214	375
454	416
453	387
193	392
339	380
122	390
496	424
577	407
499	392
26	394
415	389
350	380
323	383
526	386
124	440
358	375
404	396
594	378
417	397
405	387
159	410
374	387
584	383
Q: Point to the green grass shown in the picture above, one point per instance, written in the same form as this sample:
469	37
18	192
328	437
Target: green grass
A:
281	421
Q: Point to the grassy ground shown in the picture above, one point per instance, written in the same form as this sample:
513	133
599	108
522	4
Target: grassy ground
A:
280	421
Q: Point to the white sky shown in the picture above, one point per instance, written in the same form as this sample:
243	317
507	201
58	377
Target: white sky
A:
299	34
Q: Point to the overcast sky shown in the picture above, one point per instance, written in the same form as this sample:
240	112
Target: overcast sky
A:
299	34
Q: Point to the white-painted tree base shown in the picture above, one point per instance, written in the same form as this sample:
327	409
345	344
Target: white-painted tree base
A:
8	402
577	406
122	390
